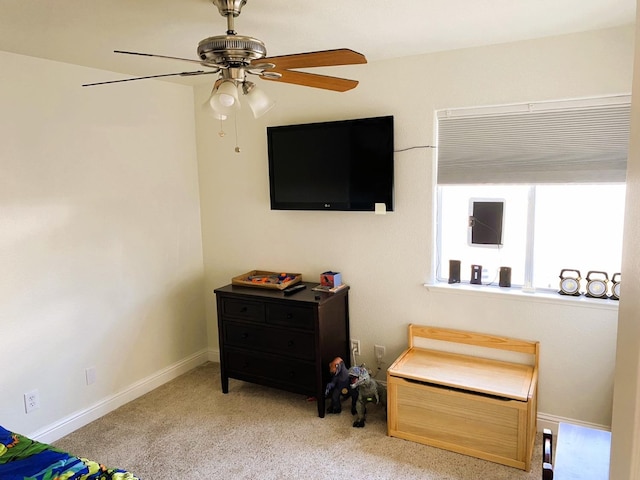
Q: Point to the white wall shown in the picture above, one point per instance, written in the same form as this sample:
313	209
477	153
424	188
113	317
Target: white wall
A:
100	241
386	259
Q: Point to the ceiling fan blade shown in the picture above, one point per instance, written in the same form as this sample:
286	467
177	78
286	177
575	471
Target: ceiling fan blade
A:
314	80
199	62
324	58
182	74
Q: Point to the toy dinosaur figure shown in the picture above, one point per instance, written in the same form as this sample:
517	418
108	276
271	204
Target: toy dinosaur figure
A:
339	387
369	391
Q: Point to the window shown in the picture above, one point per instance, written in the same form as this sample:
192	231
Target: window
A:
560	178
575	226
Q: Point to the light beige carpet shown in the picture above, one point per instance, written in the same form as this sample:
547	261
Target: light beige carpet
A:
188	429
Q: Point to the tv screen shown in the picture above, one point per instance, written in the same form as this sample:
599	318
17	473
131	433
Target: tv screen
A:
340	165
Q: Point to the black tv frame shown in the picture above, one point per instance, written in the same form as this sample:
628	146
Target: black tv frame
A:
321	170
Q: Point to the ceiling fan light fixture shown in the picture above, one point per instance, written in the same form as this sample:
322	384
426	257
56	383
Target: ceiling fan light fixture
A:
206	108
234	57
258	101
225	98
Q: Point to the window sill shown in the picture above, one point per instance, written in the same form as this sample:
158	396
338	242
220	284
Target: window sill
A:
518	294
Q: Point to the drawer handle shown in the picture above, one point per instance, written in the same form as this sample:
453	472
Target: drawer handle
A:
290	343
292	374
289	316
245	335
243	310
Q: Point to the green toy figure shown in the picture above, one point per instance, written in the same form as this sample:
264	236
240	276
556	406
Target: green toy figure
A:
369	391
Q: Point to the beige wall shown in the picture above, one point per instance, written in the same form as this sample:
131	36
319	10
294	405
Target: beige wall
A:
387	259
100	241
625	455
107	220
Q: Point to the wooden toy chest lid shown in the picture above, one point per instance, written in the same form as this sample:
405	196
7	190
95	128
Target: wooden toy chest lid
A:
470	373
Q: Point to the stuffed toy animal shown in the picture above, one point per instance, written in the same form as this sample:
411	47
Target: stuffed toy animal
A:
369	391
339	387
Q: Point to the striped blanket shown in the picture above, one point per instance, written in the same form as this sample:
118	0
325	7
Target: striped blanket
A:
24	459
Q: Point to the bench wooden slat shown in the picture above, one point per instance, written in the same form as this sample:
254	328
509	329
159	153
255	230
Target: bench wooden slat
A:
472	338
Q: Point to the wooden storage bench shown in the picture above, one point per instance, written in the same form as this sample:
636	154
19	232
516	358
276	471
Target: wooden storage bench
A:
470	403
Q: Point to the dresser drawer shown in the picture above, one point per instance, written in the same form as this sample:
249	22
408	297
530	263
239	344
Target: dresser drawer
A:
290	316
271	371
244	309
299	345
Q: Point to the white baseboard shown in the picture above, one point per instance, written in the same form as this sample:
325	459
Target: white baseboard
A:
213	355
79	419
551	422
72	422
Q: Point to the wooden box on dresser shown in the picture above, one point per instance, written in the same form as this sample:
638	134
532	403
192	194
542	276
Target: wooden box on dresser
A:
285	342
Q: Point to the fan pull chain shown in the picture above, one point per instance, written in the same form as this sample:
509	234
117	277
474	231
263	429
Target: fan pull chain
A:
235	121
221	132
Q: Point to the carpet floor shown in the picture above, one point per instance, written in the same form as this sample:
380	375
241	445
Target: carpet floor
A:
188	429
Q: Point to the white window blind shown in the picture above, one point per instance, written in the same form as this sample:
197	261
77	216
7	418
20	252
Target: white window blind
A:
574	141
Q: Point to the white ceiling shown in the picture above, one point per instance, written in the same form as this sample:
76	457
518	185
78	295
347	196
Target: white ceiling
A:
85	32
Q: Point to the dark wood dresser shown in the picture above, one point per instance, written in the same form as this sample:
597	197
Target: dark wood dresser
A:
285	342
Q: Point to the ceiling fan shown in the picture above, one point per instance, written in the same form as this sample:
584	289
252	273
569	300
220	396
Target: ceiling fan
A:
235	57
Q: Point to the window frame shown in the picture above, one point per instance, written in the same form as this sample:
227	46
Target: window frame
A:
529	286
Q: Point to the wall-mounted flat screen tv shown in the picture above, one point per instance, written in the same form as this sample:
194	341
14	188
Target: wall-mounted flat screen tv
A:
339	165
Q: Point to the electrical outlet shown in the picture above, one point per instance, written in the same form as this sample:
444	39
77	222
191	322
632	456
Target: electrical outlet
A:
379	352
31	401
355	347
90	375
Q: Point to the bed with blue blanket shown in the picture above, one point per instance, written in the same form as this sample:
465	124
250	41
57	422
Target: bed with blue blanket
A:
24	459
